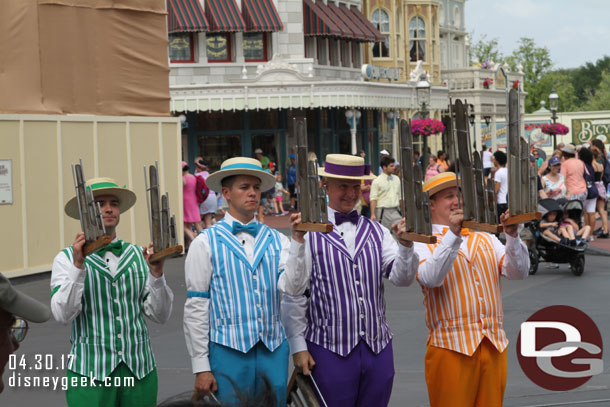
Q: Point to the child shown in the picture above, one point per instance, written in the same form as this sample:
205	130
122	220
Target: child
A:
551	229
278	207
572	228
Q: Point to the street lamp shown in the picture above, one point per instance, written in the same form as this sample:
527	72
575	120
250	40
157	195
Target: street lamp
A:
352	117
474	129
423	100
487	120
554	105
393	118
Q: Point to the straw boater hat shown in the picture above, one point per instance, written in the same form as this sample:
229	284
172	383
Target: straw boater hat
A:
439	182
104	186
240	166
345	167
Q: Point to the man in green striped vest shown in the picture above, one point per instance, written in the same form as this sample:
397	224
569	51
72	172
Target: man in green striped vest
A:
106	296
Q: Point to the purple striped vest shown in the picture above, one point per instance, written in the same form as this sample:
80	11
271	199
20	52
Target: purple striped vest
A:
346	301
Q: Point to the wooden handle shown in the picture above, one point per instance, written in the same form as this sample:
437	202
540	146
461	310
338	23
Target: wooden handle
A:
483	227
523	218
315	227
416	237
96	245
169	252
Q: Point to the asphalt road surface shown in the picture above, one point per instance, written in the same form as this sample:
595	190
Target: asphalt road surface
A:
590	293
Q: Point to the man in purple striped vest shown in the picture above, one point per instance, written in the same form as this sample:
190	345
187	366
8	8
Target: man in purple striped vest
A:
340	327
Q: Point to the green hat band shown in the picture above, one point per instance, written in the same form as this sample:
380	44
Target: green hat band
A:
104	185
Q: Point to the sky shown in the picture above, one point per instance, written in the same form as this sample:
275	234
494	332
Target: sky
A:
574	31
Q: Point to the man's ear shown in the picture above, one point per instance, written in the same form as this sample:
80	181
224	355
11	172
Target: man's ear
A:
432	203
225	192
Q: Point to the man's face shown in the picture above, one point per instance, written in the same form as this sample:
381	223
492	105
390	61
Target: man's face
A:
8	344
389	169
110	210
442	204
244	195
343	194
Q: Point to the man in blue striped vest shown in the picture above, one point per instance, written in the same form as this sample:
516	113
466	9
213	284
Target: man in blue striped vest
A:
341	327
106	296
232	313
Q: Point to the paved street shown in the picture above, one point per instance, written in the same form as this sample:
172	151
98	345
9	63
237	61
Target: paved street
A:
406	316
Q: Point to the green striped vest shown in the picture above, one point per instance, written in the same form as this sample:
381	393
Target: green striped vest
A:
110	328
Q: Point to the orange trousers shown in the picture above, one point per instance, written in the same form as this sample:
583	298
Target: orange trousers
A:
458	380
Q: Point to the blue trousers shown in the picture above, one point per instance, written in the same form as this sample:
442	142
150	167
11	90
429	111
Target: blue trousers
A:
246	371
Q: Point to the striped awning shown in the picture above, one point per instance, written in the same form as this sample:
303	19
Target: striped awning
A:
332	13
261	16
224	16
317	22
355	23
185	16
355	33
367	24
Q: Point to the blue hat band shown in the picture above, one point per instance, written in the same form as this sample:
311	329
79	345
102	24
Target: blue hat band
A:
242	166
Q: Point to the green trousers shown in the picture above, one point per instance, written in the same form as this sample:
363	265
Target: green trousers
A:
120	389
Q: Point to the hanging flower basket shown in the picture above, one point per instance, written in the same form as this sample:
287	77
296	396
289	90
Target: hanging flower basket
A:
554	128
426	127
487	83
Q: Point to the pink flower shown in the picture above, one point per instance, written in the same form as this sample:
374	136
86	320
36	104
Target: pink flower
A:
554	128
426	127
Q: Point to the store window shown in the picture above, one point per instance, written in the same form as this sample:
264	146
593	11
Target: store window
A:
381	20
356	58
345	57
216	149
218	46
181	47
417	43
255	47
322	51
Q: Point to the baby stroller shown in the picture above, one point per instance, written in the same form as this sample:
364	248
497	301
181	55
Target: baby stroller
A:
542	247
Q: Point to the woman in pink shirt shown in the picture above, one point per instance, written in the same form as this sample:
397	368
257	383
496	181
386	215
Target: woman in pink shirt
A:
573	171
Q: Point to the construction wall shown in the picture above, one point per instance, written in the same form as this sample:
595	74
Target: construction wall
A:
43	147
104	57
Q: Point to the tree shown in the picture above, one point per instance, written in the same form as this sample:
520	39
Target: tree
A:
561	82
535	62
600	100
588	77
485	50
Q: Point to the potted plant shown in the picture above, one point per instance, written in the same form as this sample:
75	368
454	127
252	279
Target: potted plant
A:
554	128
487	83
426	127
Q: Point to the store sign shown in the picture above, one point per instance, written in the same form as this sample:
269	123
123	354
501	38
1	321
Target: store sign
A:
584	130
6	182
531	131
376	72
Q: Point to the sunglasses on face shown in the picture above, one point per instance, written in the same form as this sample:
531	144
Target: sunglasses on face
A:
19	329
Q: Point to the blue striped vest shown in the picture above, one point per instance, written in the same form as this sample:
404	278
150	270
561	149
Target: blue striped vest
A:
346	301
110	328
244	299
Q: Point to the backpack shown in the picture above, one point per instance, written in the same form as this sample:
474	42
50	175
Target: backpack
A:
201	189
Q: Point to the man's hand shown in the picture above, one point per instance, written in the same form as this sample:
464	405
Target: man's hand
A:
510	230
78	258
297	235
303	362
400	230
205	383
456	217
155	269
373	217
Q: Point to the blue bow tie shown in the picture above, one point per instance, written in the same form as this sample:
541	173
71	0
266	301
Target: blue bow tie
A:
251	228
342	217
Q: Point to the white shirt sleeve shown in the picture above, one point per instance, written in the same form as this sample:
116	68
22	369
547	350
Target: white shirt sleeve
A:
402	260
159	301
198	273
516	262
434	267
295	278
294	319
67	285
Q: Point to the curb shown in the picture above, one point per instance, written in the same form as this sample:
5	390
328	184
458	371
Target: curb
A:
595	251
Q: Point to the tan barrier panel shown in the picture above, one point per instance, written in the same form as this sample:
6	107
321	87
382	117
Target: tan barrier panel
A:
42	149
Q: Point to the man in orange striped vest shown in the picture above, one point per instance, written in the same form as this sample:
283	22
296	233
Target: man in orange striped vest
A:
460	279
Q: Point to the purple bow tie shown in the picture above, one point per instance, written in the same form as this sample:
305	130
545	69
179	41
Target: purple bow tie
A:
342	217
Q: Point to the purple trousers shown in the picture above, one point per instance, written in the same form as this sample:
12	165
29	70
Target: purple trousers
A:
359	379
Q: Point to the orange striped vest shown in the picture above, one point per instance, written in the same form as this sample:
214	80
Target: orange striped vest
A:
468	306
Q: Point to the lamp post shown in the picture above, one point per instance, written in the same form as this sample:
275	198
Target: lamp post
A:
352	116
554	105
423	100
474	129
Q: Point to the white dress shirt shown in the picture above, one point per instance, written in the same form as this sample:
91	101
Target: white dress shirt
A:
295	280
198	273
66	302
